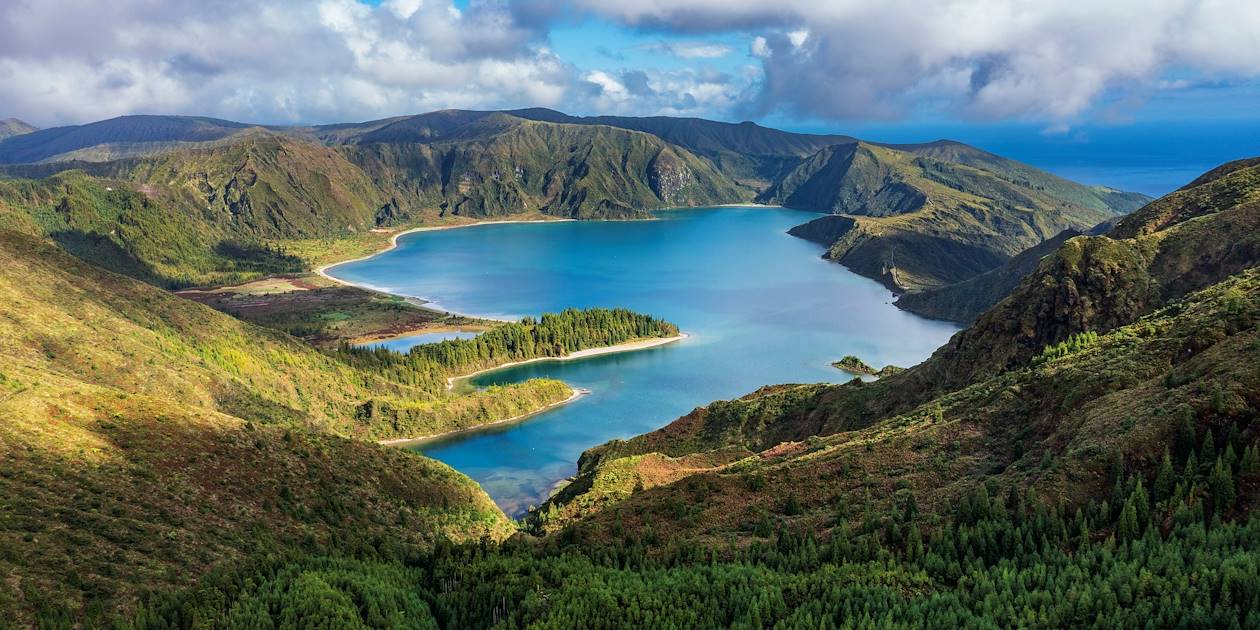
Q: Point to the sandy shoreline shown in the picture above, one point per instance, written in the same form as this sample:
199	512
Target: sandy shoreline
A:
393	240
642	344
393	244
629	346
322	270
577	393
450	382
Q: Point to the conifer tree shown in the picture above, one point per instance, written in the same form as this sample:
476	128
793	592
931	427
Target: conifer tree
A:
1141	505
1165	479
1222	486
1127	526
1250	463
1207	452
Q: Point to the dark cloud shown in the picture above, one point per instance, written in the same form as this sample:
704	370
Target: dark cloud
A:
688	101
636	82
192	65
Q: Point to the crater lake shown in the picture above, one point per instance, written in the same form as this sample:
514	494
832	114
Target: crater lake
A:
759	307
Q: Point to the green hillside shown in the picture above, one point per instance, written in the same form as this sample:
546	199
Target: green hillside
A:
497	165
199	216
1181	243
751	155
110	495
1096	197
935	215
147	439
966	300
116	137
1106	353
55	308
1084	453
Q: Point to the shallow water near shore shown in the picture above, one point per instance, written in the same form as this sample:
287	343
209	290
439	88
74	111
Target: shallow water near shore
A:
761	307
403	344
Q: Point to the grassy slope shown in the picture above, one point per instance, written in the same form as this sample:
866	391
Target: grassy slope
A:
325	313
1055	427
196	216
109	494
920	222
500	165
981	405
751	155
1096	197
146	439
966	300
1180	243
57	310
210	213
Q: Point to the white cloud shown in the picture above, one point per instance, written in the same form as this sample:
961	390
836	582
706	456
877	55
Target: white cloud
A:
798	37
66	61
610	88
989	58
280	61
759	47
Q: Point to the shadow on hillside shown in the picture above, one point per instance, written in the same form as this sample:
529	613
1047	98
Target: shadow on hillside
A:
100	250
246	257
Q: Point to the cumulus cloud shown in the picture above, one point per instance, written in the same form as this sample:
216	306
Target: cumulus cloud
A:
270	61
687	92
331	60
984	58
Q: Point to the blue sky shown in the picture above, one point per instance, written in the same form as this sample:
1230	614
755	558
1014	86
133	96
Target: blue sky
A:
1134	93
1151	142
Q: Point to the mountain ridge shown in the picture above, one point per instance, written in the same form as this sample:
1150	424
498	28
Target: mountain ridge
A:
1087	449
915	222
925	215
1153	320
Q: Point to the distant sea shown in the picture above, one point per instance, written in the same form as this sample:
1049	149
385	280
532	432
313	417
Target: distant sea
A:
1154	158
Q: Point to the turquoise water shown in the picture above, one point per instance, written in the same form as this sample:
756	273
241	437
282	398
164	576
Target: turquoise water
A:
761	307
403	344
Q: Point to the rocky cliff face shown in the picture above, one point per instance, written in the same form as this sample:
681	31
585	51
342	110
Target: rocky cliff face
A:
508	166
669	176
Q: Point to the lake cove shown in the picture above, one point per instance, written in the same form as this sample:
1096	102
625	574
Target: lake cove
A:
406	342
759	307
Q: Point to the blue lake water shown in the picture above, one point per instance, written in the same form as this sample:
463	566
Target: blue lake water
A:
403	344
761	307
